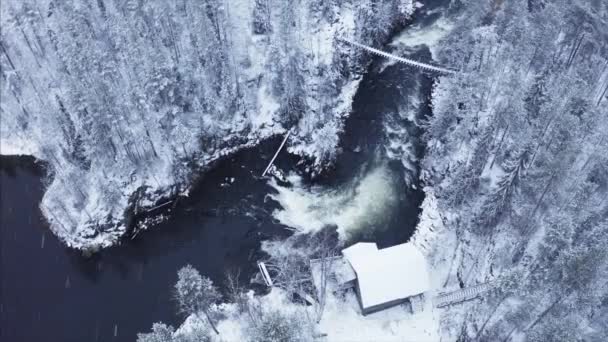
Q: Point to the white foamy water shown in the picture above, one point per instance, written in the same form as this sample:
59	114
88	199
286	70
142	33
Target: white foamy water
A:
429	35
399	145
362	205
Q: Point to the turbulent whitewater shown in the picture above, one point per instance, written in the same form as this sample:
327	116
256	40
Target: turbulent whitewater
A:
361	205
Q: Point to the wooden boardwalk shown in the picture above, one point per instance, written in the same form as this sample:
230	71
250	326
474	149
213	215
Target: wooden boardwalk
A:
461	295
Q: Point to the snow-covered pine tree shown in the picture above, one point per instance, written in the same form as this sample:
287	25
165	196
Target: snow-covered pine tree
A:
195	293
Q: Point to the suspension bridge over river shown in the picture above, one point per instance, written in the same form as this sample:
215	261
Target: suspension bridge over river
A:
404	60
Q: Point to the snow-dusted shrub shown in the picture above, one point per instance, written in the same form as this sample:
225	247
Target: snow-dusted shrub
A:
278	326
160	333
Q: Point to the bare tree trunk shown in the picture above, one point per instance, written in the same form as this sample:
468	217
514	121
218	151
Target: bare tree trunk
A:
483	326
573	56
8	58
211	322
540	200
509	335
540	142
602	96
499	145
532	60
27	41
544	313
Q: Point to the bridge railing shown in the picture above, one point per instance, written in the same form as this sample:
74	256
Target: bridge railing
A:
407	61
461	295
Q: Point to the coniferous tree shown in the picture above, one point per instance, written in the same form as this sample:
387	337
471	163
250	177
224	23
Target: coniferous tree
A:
195	293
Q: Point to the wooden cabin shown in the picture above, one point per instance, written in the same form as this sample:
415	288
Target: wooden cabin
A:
382	278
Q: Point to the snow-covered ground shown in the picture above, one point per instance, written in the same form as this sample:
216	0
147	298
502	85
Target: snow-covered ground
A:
341	321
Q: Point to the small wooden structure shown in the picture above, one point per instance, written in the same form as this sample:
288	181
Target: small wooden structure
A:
265	274
381	278
276	153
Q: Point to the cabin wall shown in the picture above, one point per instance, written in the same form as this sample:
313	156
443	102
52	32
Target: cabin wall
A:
379	307
383	306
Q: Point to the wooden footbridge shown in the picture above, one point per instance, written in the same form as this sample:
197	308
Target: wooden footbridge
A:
462	295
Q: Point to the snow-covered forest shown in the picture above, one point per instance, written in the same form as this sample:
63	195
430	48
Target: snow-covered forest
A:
128	100
517	160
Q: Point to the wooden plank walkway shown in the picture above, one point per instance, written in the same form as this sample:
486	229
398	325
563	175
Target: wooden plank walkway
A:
277	153
461	295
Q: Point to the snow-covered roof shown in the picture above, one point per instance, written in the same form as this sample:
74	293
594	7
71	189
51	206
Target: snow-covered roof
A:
388	274
356	254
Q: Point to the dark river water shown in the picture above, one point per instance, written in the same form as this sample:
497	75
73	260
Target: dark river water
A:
50	293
